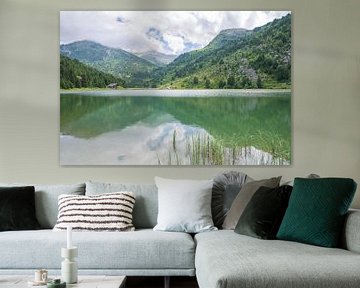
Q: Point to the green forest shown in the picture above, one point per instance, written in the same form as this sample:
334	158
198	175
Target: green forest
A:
234	59
74	74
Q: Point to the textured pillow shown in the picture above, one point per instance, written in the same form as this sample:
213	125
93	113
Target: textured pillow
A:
146	205
106	212
226	187
17	209
317	209
263	215
46	200
184	205
243	198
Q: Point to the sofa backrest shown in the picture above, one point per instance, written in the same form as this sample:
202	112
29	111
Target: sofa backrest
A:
46	200
146	203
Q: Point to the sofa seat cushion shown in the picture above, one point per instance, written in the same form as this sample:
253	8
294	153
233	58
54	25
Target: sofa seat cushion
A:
226	259
142	249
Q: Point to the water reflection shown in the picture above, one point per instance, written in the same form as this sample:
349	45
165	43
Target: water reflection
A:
128	130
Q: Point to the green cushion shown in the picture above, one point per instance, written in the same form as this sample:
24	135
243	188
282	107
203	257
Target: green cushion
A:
316	211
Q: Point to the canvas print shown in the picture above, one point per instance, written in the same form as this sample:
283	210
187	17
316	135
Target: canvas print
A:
175	88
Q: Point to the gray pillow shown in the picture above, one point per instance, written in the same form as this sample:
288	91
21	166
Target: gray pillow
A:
225	189
146	206
184	205
243	198
46	200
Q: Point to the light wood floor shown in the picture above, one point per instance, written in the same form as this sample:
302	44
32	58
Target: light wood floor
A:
158	282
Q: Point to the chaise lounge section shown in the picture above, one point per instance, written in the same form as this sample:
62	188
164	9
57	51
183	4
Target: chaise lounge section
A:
225	259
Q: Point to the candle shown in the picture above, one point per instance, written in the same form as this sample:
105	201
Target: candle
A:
69	239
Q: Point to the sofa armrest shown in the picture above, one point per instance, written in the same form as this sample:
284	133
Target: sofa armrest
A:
351	234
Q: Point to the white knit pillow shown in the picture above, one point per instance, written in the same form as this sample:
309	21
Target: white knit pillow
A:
105	212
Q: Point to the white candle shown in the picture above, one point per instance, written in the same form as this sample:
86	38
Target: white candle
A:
69	239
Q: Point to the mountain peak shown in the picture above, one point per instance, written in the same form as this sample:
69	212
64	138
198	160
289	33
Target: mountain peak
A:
233	31
157	58
83	43
228	35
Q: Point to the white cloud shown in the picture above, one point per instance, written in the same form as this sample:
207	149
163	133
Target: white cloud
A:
174	43
128	29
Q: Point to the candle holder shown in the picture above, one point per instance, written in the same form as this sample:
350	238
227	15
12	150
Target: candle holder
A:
69	271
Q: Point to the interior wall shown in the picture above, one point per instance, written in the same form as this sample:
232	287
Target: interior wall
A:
325	106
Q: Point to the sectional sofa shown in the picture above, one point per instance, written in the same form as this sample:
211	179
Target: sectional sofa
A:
219	259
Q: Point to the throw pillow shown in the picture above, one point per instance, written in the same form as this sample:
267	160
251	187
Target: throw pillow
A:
184	205
317	209
106	212
17	209
146	205
226	187
243	198
263	215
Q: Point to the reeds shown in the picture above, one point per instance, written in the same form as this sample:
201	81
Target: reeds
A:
203	149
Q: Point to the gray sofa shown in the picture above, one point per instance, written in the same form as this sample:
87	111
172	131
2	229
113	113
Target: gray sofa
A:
218	259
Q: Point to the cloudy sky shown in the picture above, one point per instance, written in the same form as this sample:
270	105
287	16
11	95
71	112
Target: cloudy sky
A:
169	32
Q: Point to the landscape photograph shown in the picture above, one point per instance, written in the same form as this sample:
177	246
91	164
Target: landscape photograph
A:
175	88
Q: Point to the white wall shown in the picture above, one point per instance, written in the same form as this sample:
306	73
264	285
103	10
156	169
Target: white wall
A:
326	90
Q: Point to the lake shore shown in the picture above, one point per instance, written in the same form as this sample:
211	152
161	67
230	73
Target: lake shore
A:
180	92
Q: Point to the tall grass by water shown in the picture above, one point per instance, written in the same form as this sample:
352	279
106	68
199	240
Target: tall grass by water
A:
203	149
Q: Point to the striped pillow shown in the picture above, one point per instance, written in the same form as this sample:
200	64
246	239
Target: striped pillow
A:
105	212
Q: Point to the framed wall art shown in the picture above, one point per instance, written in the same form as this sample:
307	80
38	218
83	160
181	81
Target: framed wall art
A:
175	88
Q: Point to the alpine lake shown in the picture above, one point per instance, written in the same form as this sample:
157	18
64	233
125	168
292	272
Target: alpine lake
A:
175	127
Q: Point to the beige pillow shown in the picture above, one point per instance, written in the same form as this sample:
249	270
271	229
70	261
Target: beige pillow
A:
243	198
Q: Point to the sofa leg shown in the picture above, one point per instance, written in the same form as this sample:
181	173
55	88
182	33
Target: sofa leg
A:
167	282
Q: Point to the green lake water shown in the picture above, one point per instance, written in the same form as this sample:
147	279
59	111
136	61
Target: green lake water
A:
175	127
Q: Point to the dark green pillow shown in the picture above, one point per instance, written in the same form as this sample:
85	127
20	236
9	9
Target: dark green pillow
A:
316	211
264	212
17	208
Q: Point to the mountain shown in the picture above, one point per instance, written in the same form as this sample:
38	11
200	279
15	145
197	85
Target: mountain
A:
227	38
74	74
235	58
157	58
120	63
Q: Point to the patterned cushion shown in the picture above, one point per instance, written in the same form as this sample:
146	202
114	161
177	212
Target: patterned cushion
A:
146	205
106	212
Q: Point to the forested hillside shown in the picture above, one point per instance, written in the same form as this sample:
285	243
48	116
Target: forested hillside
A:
133	69
74	74
235	58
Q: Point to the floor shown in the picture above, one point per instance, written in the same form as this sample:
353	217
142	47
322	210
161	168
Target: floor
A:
158	282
